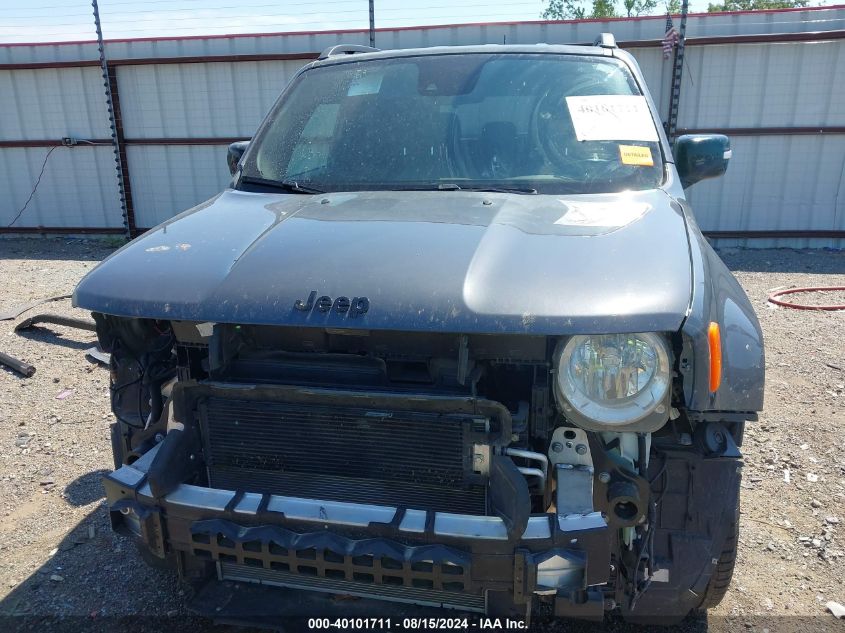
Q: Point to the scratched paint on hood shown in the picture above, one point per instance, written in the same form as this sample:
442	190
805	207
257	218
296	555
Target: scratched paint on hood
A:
427	261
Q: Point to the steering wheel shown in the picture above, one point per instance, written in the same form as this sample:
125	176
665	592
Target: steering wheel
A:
553	130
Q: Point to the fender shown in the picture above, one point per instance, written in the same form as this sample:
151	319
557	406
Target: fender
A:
718	297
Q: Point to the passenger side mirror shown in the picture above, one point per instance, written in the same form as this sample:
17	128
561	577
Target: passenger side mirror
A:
233	156
701	156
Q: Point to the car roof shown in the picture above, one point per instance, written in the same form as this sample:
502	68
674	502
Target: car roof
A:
363	53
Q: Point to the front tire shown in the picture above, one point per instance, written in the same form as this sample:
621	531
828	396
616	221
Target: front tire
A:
705	507
721	580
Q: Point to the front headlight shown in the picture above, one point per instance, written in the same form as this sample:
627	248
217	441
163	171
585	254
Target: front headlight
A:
609	381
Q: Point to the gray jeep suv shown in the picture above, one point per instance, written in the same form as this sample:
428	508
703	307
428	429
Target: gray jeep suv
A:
452	338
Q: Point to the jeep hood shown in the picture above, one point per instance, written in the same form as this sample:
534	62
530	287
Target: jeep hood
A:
439	261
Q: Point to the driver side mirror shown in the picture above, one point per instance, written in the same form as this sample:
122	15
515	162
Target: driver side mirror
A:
701	156
233	156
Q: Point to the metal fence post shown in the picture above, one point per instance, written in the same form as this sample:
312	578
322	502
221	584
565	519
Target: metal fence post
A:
677	76
116	125
372	24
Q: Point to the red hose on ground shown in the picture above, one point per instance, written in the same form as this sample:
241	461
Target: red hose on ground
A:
800	306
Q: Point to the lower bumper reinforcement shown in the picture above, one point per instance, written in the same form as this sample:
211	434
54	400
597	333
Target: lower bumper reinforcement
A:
390	593
389	553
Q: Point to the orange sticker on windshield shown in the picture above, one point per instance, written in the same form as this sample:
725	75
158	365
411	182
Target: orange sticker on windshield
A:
636	155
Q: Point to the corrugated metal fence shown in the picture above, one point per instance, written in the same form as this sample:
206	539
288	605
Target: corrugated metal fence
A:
768	79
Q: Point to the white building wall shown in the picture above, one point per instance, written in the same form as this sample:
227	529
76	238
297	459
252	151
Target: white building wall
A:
220	99
168	179
775	182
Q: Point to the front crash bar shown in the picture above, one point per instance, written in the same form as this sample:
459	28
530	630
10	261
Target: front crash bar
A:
340	513
128	491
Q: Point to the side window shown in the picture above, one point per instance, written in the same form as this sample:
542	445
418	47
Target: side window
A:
312	149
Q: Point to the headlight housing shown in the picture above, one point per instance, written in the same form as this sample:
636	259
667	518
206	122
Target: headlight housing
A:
614	382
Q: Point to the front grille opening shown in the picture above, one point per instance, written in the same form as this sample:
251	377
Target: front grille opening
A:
278	550
332	557
362	561
390	576
390	563
307	554
201	538
411	372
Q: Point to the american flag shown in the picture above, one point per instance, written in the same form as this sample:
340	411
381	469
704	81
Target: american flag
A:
670	39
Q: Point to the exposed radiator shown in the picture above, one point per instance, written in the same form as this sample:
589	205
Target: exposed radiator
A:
414	459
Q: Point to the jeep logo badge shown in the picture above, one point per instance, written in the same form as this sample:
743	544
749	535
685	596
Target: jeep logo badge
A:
341	305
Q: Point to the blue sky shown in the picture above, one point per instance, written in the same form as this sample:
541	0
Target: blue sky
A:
56	20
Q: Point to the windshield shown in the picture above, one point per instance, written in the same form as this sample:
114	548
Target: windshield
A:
514	122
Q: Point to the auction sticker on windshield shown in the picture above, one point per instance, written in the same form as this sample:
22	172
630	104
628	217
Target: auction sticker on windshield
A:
611	118
635	155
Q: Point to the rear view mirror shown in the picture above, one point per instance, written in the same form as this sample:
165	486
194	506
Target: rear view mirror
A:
233	156
701	156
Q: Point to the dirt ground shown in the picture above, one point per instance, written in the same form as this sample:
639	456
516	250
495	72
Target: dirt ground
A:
61	567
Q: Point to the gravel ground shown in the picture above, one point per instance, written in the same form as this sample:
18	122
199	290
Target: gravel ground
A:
61	565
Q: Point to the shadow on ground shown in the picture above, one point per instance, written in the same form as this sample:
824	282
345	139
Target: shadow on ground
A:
49	336
96	581
85	489
784	260
59	248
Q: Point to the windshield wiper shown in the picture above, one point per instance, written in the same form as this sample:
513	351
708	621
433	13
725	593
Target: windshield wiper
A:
290	186
451	186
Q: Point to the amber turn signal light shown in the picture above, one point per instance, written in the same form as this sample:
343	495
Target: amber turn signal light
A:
715	341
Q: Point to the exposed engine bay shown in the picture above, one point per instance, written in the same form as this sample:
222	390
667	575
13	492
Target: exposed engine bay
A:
469	440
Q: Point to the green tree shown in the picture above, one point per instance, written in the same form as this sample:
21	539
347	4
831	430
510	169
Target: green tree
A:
639	7
755	5
673	6
580	9
583	9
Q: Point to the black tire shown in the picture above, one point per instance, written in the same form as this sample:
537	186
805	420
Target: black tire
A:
716	588
721	580
116	445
